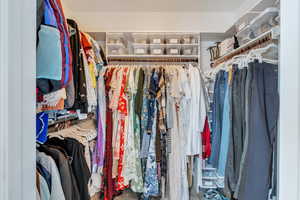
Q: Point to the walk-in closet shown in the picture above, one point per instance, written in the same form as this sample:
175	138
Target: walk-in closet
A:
150	100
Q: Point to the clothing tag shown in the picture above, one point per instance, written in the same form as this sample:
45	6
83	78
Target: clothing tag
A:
80	115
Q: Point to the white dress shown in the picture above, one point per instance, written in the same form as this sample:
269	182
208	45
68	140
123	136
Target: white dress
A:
178	183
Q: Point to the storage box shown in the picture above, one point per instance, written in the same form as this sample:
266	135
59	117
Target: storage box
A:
140	38
116	50
187	39
173	50
187	50
156	39
157	50
140	49
173	39
115	38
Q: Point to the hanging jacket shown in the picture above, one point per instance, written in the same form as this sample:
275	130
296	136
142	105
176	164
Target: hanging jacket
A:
75	151
67	178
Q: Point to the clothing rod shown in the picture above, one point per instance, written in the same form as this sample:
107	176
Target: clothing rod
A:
263	39
149	63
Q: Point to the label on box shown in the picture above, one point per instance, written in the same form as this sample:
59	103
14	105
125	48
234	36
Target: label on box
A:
156	41
157	51
140	51
174	51
173	41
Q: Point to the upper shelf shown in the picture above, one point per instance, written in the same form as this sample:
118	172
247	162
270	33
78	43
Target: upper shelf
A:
251	14
130	46
269	35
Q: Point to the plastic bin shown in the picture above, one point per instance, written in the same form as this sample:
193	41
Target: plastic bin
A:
157	50
173	50
140	38
115	38
173	39
187	39
156	39
116	50
187	50
140	49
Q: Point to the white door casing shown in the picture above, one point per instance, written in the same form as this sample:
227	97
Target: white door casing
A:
17	99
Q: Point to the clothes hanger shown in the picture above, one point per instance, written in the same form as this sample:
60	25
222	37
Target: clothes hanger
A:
259	54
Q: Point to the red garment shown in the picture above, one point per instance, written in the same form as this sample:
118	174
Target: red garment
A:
108	182
39	96
122	108
206	140
86	44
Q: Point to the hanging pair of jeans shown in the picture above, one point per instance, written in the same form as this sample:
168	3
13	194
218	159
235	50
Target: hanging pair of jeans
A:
218	106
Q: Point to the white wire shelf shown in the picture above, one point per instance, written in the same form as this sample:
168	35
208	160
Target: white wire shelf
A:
273	34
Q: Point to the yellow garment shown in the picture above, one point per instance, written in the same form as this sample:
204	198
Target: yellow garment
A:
92	74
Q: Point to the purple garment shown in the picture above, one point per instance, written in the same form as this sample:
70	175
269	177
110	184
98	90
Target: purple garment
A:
49	17
98	154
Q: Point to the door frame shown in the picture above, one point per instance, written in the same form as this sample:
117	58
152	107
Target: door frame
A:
17	99
289	88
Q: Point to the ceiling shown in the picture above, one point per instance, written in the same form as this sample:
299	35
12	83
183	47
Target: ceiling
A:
154	5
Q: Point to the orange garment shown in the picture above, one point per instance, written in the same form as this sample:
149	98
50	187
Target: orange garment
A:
59	106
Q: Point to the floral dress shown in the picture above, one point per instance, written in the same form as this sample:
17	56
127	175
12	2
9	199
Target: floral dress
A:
122	108
132	163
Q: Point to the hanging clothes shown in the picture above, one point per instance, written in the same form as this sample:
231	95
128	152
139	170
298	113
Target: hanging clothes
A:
244	130
147	112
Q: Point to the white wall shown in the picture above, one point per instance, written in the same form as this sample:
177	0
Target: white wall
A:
153	21
205	55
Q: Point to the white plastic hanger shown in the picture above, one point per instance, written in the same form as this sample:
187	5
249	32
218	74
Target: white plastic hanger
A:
260	54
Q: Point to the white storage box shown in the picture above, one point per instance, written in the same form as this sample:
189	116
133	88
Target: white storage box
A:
140	38
173	39
140	49
187	39
187	50
156	39
115	38
173	50
157	50
116	50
